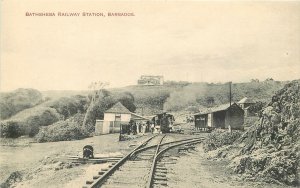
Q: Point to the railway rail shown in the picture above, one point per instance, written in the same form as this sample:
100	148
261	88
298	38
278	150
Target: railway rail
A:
139	168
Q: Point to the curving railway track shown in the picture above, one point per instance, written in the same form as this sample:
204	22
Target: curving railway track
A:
143	167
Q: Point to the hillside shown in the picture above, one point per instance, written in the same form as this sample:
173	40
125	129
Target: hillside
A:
30	111
18	100
181	96
178	96
270	150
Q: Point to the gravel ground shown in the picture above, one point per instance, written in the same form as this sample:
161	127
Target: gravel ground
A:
41	166
194	170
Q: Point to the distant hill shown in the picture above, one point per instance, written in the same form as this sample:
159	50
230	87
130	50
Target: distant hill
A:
172	96
179	96
18	100
25	110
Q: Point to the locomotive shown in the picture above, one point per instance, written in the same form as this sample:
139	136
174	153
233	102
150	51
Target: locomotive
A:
164	121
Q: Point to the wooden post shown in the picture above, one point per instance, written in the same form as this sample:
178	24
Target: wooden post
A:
230	93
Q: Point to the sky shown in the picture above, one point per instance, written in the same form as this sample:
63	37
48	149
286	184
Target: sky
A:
192	41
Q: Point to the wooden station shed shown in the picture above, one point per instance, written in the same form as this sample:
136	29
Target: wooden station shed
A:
220	117
115	118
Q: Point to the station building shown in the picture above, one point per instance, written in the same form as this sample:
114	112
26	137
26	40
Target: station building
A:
116	117
220	117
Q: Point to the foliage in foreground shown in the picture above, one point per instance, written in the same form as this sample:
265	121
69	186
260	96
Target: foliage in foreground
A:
220	138
70	129
270	150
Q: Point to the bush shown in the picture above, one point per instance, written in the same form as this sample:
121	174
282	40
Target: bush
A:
11	129
68	106
218	139
61	131
29	121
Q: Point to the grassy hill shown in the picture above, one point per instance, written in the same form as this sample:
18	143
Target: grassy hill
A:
180	96
18	100
27	113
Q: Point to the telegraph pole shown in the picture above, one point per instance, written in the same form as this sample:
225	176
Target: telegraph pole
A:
230	93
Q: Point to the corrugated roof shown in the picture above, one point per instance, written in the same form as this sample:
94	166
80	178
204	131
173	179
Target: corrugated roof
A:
215	109
118	108
245	100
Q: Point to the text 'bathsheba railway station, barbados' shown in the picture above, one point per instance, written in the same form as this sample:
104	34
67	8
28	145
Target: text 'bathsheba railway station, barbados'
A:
77	14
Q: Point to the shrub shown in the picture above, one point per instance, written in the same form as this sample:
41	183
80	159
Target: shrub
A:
68	106
28	122
11	129
218	139
61	131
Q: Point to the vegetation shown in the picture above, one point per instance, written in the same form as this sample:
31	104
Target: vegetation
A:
270	149
18	100
26	112
256	108
220	138
11	129
62	130
207	95
103	101
28	122
68	106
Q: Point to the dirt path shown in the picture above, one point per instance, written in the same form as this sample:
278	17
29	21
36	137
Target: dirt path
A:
40	164
194	170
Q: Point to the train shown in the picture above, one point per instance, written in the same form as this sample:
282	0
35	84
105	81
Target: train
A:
164	121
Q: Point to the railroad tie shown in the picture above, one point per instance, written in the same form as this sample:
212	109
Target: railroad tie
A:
101	172
161	183
147	154
96	177
161	168
182	149
162	171
160	178
169	162
160	175
89	182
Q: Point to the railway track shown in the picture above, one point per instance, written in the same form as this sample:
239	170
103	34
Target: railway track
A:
140	168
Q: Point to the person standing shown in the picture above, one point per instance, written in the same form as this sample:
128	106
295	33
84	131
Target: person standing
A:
140	127
229	129
143	128
134	128
152	127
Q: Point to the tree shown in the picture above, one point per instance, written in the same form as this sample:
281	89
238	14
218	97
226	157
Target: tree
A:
97	92
127	99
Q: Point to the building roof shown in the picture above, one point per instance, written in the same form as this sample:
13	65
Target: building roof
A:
135	116
245	100
215	109
118	108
